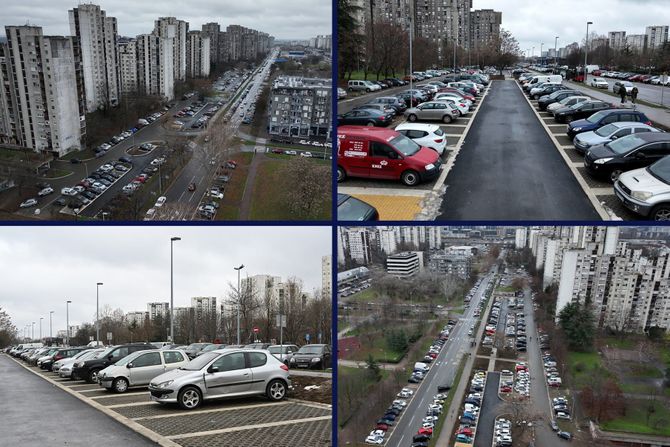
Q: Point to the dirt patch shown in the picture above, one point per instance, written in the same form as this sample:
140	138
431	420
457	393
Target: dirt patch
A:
323	394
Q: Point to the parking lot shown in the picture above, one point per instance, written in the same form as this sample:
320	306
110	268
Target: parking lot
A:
234	422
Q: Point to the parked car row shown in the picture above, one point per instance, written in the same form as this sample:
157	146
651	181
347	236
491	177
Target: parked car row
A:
502	433
634	77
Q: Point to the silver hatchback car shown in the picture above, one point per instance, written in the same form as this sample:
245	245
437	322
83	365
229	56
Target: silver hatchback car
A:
222	373
140	367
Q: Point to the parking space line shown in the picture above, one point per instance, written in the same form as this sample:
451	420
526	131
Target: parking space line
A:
250	427
134	404
116	395
589	193
213	410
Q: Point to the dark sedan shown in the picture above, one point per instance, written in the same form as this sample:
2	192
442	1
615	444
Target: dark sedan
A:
634	151
364	117
396	104
547	89
559	95
581	110
407	97
605	117
351	208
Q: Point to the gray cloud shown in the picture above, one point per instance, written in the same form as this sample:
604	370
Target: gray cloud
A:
286	19
42	267
533	22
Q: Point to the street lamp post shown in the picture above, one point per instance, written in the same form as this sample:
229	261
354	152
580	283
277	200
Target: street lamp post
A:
97	313
172	241
556	51
541	47
32	333
51	312
532	54
586	49
67	322
239	298
41	318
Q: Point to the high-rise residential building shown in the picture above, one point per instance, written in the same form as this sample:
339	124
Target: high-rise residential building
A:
404	265
174	31
41	93
136	318
321	42
300	107
485	26
158	309
128	66
224	47
96	36
387	241
197	55
326	276
656	36
264	286
204	306
155	65
520	238
637	42
357	240
617	39
212	31
234	42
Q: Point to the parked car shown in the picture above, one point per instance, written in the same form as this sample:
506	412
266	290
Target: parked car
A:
566	102
580	110
558	95
317	356
425	135
28	203
609	132
397	104
365	117
365	86
140	367
383	154
88	369
604	117
222	373
646	191
599	83
193	349
352	209
283	352
432	110
618	85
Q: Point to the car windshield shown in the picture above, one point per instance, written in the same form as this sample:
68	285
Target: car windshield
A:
606	130
279	349
625	144
210	348
597	116
661	169
310	350
405	145
200	362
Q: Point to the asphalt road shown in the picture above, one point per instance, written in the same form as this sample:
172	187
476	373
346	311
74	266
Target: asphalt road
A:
36	413
489	411
443	370
509	169
349	103
646	92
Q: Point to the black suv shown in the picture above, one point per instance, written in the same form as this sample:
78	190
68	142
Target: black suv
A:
312	356
89	369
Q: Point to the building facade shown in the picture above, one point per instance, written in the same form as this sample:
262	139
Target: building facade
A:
300	107
197	55
404	265
656	36
616	39
128	67
174	31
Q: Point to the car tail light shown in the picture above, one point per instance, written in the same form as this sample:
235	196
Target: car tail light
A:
58	357
438	141
284	367
648	123
462	105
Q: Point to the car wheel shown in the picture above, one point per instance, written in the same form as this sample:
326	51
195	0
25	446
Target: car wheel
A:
370	124
446	119
276	390
367	90
189	398
411	118
661	212
120	385
410	178
93	376
614	176
341	174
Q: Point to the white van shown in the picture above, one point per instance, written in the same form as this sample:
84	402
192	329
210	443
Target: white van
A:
366	86
542	78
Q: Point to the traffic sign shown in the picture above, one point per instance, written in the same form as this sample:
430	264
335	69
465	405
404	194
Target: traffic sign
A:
256	330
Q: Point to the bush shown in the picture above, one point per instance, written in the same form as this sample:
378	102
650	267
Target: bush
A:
579	367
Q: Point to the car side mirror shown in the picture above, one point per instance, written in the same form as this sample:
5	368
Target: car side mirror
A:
129	365
213	369
614	137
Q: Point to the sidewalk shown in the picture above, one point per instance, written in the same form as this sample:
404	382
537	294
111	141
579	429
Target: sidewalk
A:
660	116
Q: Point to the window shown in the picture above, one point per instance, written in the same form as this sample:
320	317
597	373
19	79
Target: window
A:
257	359
623	133
149	359
173	357
382	150
230	362
121	352
655	150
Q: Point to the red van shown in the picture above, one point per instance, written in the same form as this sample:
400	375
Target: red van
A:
379	153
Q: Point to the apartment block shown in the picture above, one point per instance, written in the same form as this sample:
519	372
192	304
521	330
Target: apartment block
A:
451	262
616	39
128	67
42	110
300	107
485	26
358	242
656	36
96	35
158	309
404	265
136	318
204	306
155	65
173	30
197	55
212	31
637	42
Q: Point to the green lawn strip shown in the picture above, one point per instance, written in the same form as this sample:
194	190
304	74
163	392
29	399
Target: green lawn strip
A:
57	173
363	380
636	388
372	76
618	342
641	370
367	295
506	289
229	208
447	404
636	418
587	362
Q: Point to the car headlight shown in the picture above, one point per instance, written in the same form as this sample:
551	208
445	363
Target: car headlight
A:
641	195
430	167
577	129
316	359
602	161
292	360
165	384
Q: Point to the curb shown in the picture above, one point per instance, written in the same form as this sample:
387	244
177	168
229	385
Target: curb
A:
150	435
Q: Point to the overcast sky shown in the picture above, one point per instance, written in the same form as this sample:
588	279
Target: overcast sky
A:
285	19
42	267
535	21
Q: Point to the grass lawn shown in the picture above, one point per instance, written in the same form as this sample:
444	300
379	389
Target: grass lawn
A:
230	205
635	388
646	371
82	155
373	77
369	294
57	173
588	361
506	289
618	342
636	419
